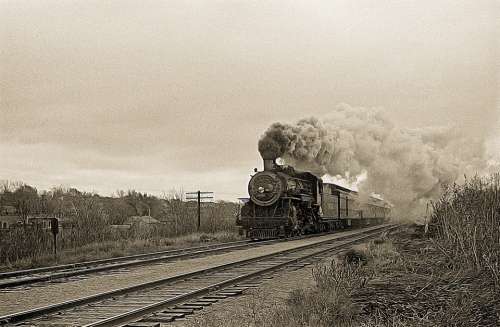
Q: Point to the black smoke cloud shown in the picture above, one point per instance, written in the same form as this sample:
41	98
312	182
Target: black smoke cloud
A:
407	166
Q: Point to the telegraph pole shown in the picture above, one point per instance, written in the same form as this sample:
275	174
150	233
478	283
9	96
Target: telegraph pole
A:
198	196
199	211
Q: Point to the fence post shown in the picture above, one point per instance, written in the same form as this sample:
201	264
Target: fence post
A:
54	227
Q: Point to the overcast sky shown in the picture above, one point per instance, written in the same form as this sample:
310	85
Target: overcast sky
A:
155	95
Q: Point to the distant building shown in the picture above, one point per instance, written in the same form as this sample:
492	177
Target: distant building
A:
141	221
9	217
42	221
9	221
8	210
120	228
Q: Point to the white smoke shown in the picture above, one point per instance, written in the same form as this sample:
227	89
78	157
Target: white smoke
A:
407	166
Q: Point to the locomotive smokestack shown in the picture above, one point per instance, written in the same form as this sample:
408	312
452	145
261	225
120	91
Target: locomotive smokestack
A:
269	164
272	145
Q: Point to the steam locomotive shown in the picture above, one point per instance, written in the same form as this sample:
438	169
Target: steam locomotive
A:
285	202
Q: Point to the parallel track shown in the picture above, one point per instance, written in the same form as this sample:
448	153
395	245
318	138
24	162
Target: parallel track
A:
19	273
56	273
166	299
53	273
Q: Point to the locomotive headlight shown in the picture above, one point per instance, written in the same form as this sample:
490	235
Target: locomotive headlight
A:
260	189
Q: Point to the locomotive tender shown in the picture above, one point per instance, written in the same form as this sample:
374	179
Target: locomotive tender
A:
285	202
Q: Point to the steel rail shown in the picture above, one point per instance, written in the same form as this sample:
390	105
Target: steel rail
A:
33	313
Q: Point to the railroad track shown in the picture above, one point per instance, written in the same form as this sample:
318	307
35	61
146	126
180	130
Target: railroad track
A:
54	273
164	300
25	278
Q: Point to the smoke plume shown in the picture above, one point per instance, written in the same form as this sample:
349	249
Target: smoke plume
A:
406	166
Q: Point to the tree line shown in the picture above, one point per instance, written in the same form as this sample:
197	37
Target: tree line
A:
87	217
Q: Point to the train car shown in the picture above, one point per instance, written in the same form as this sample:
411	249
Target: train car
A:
284	202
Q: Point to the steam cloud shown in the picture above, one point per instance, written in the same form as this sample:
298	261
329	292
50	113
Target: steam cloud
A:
406	166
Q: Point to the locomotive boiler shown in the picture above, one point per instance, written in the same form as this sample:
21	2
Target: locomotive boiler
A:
284	202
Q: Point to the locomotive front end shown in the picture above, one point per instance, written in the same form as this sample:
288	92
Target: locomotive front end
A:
277	196
264	214
265	188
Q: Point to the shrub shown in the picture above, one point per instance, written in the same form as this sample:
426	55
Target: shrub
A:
330	302
466	224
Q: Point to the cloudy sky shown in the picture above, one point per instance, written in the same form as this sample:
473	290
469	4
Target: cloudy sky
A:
155	95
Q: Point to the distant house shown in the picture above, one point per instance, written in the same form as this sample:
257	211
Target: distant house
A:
42	221
8	210
9	217
120	228
141	221
9	221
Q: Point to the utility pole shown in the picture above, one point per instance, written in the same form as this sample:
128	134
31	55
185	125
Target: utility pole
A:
199	196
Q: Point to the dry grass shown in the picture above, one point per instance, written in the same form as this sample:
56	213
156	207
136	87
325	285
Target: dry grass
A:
330	302
120	247
318	306
466	225
419	288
